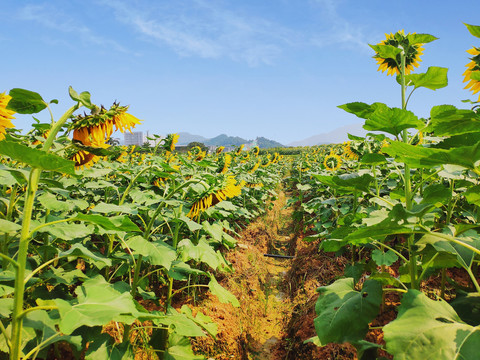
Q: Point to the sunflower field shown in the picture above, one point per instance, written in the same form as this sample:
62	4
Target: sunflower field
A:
99	242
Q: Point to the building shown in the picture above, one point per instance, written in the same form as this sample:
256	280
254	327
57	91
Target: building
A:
134	138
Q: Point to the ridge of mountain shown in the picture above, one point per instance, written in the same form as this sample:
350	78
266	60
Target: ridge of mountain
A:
335	136
225	140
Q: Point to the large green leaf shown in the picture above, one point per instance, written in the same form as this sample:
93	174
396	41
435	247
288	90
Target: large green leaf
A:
344	313
391	120
429	329
119	223
50	202
8	227
360	109
155	252
36	158
105	208
447	120
78	250
435	78
97	303
419	157
202	252
25	101
386	51
83	97
473	195
348	182
224	296
68	231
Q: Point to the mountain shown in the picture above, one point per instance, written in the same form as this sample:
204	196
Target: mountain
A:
336	136
225	140
186	138
264	143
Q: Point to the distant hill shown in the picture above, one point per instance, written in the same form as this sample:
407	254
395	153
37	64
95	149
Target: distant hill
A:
225	140
186	138
336	136
264	143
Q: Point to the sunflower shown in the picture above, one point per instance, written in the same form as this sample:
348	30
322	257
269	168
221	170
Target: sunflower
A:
412	54
224	163
348	153
332	162
84	159
239	149
255	150
98	127
226	189
5	115
174	140
255	167
219	149
473	66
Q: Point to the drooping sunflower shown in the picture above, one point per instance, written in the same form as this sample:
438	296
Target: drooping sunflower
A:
224	163
332	162
255	150
226	188
84	159
348	153
473	66
412	54
239	149
219	149
5	115
255	167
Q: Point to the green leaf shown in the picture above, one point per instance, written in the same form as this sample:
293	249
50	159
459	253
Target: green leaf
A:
50	202
391	120
436	194
447	120
83	98
420	38
97	303
156	253
373	159
348	182
105	208
474	30
384	258
435	78
386	51
475	75
6	307
224	296
360	109
182	271
201	320
337	303
202	252
473	195
418	156
105	348
78	250
179	348
429	329
467	306
68	231
119	223
8	227
25	101
36	158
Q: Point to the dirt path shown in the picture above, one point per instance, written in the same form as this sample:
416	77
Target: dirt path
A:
256	329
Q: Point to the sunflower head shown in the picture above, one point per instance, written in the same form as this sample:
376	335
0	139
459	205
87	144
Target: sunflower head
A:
255	150
5	115
332	162
219	149
224	163
472	73
388	52
239	149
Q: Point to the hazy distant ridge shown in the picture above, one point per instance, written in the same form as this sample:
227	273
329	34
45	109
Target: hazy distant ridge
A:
336	136
225	140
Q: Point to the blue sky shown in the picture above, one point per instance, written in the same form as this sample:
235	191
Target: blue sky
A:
272	68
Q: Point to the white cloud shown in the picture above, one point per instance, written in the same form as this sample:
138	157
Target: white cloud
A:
205	29
340	30
51	17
